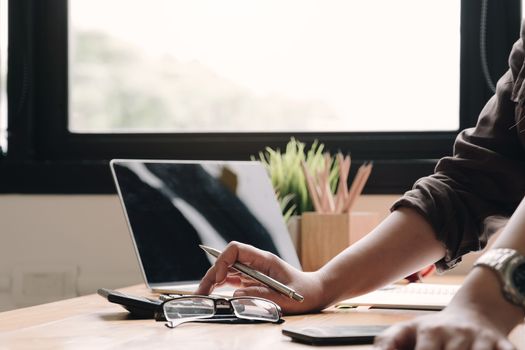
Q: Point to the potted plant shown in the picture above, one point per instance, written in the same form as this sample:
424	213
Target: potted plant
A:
288	178
312	189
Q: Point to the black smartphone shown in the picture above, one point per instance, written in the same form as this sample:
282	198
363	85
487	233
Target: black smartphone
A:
334	335
137	306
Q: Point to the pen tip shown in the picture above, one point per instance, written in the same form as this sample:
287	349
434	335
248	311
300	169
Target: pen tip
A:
209	250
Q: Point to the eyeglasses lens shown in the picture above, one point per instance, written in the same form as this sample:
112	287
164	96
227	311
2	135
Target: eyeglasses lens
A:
255	309
189	308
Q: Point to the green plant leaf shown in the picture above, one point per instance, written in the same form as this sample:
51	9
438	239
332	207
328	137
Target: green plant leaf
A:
287	176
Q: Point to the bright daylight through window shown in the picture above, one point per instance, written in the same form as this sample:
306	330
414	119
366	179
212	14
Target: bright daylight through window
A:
264	65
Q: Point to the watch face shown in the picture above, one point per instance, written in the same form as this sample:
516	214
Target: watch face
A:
518	278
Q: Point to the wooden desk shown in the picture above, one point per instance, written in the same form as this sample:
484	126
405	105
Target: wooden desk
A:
90	322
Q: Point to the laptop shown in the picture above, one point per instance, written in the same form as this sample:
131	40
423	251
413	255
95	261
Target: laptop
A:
173	206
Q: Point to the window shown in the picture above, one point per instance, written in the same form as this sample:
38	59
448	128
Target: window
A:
264	66
85	85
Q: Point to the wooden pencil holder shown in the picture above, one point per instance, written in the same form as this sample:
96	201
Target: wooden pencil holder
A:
323	236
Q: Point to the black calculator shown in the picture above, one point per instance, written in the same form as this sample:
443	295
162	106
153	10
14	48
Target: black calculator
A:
139	307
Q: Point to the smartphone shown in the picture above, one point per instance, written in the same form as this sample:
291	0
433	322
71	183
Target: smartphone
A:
137	306
335	335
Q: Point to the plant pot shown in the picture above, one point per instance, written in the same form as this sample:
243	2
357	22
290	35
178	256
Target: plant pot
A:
294	228
323	236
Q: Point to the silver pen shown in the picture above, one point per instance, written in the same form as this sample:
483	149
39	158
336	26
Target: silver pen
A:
258	276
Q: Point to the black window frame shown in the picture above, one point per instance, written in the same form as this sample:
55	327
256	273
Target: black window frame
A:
44	157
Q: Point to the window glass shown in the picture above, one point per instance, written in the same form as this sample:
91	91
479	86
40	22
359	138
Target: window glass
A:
263	65
3	76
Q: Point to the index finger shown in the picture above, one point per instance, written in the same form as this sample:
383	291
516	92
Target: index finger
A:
235	251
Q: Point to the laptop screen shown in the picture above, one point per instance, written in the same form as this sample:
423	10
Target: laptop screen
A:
173	206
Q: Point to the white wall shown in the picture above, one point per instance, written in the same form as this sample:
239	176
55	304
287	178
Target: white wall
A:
54	247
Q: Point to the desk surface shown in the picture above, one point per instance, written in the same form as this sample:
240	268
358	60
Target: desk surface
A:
91	322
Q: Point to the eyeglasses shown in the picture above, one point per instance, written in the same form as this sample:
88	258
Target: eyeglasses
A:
190	308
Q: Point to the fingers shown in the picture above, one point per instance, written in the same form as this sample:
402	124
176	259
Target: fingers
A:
504	344
459	341
234	252
207	283
401	336
231	280
258	259
425	334
261	291
430	339
236	279
487	340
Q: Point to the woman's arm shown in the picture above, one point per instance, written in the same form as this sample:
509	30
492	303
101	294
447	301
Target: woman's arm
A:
479	316
403	243
482	289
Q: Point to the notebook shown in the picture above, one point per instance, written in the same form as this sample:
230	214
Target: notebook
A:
173	206
418	296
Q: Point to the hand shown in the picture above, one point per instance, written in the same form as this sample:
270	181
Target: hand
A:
306	284
450	329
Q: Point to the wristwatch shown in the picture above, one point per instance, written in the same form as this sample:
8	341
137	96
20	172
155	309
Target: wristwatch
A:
509	265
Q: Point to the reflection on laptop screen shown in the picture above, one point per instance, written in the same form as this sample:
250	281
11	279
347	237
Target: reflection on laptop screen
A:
172	207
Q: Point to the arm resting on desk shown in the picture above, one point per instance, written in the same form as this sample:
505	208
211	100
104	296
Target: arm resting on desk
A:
478	317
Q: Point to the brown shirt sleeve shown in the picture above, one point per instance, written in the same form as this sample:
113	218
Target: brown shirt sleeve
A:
486	175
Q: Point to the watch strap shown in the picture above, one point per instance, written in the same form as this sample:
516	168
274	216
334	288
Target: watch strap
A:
500	260
496	258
